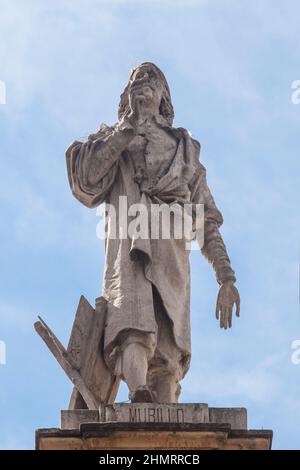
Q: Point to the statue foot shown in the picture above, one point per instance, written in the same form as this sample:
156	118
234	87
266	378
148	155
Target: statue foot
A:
141	395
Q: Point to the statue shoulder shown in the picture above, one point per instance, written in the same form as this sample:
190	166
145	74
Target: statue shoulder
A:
103	131
185	133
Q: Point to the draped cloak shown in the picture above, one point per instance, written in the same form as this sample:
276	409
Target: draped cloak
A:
99	173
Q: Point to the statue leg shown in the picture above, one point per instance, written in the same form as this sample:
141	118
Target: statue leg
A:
136	353
165	388
166	367
134	365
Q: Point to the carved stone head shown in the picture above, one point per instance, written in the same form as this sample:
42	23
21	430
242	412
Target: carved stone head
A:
153	76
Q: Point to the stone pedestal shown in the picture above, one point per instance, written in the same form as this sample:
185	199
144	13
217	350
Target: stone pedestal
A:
150	426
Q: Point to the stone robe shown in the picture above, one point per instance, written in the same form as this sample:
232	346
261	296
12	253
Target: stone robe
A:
161	167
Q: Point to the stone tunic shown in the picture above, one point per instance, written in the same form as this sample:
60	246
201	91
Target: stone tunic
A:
162	166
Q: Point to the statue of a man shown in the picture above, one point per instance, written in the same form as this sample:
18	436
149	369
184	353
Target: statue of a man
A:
146	281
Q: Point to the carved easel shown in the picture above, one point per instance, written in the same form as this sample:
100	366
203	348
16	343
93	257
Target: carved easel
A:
83	360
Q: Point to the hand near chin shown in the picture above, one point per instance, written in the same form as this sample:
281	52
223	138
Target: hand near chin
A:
136	101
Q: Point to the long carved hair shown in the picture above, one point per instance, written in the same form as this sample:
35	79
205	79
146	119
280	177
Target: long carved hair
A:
165	109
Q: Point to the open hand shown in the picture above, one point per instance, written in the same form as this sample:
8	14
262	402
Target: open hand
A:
228	296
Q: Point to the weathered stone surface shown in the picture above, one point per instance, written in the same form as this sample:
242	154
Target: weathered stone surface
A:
61	356
83	361
148	162
236	417
85	350
156	413
140	329
72	419
152	436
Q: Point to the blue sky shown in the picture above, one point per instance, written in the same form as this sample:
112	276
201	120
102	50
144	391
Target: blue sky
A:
230	66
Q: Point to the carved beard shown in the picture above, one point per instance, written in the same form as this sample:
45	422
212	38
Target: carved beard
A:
145	95
165	108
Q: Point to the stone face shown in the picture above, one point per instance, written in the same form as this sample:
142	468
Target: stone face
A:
152	436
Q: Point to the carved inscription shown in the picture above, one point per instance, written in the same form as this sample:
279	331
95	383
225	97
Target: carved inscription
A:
156	415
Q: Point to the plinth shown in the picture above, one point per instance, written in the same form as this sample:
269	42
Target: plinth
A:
122	426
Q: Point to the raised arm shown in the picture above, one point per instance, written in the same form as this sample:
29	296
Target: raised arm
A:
92	165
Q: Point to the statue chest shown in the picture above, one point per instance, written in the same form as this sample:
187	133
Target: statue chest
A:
152	154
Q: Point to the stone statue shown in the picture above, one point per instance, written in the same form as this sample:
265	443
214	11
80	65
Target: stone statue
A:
146	280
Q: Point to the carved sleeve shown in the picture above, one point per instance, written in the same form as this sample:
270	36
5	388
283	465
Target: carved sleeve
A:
92	165
214	248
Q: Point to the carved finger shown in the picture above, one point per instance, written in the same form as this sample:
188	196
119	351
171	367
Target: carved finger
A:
237	303
218	307
222	320
220	316
217	311
230	317
226	318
